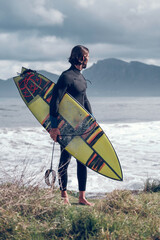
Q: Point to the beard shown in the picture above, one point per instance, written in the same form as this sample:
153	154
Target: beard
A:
84	65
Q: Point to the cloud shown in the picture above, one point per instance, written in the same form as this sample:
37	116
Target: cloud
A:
44	31
20	15
33	47
47	16
132	23
11	68
86	4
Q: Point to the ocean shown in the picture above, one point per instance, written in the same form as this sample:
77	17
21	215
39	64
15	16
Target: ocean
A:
131	123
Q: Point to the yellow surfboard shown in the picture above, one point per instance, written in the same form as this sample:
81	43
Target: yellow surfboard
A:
81	135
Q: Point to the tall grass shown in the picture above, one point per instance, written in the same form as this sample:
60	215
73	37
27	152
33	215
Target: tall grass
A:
32	213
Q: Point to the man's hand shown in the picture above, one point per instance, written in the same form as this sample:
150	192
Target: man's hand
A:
54	132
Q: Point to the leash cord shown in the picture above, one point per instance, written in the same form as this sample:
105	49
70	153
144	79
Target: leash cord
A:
52	155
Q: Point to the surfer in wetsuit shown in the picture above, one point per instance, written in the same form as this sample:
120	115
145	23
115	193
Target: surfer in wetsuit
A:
72	82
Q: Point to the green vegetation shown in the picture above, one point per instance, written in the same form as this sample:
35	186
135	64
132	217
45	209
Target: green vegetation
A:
152	185
32	213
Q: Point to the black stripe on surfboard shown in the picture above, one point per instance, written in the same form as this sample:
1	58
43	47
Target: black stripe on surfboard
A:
94	162
87	127
99	135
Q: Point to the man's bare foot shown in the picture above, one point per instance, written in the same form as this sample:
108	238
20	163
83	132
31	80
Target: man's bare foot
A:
83	201
64	197
66	201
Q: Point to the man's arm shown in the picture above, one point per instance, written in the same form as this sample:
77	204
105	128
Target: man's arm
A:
58	93
87	104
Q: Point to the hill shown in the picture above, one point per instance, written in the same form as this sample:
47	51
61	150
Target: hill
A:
113	77
109	77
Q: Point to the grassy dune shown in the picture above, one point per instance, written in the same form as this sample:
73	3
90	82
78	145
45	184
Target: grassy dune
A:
33	213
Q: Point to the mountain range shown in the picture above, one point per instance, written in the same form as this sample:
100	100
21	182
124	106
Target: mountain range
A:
113	77
108	77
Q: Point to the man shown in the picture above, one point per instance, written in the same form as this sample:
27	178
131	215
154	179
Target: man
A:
72	82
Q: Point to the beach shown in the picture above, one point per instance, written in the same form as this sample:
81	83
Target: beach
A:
131	124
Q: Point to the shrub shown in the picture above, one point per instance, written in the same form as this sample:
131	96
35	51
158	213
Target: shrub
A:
152	185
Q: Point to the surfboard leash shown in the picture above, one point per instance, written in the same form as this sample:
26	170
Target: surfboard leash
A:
49	171
52	156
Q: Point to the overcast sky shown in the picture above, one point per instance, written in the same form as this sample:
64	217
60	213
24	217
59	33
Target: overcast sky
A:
40	34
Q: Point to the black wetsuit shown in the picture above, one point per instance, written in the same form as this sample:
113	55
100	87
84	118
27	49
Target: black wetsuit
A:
72	82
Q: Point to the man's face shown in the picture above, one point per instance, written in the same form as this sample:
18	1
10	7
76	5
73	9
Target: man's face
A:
85	61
